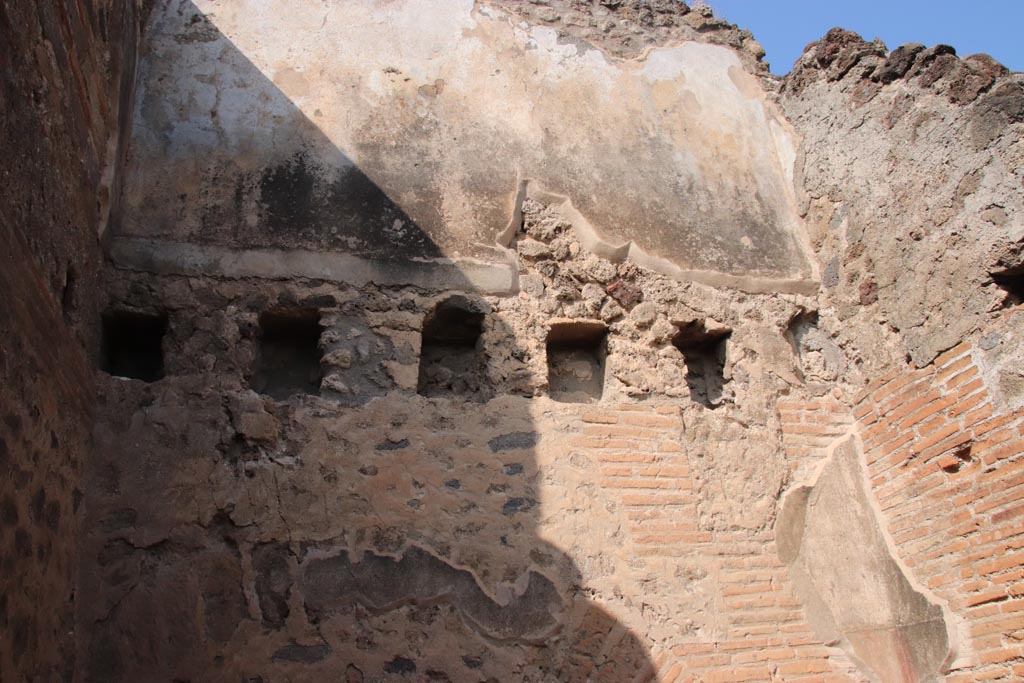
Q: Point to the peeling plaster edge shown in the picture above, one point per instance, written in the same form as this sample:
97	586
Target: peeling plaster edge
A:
958	631
181	258
807	487
591	240
957	628
115	154
787	150
503	595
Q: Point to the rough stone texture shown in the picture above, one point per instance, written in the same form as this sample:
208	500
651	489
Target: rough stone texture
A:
911	178
1000	355
65	72
508	445
476	531
629	28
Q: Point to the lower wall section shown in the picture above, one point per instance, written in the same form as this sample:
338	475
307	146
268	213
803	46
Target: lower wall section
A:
410	539
419	539
45	394
944	457
232	536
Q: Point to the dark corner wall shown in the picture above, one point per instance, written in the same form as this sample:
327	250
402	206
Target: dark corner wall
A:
66	81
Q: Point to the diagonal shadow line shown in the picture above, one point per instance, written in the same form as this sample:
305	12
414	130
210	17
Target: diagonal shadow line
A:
302	201
288	186
295	190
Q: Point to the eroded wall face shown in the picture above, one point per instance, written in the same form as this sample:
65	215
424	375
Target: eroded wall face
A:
911	170
482	531
63	69
913	191
849	580
366	531
359	129
582	480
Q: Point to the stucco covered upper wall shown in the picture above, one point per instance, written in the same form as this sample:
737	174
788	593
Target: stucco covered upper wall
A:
408	129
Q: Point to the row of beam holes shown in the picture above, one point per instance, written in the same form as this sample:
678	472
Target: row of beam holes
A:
287	359
132	345
704	352
288	356
452	363
451	358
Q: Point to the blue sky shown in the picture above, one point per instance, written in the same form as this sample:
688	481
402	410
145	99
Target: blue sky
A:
784	27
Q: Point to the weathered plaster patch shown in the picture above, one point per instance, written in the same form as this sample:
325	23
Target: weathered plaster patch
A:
673	152
854	590
416	576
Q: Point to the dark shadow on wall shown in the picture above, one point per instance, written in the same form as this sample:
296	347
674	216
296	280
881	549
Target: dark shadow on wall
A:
64	67
259	174
373	535
249	170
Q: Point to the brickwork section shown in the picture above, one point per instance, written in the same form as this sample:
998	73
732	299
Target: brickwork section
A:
763	634
65	68
766	636
809	428
641	460
947	470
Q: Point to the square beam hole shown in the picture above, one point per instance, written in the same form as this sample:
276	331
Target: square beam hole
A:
704	352
576	358
451	363
1011	281
288	359
133	345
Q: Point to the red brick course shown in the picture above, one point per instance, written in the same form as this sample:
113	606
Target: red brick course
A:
948	471
947	468
642	463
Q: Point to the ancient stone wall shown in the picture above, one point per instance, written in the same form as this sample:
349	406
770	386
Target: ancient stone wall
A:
66	70
560	459
507	341
911	174
380	526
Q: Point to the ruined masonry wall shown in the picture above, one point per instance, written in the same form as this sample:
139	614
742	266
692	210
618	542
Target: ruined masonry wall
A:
735	505
911	177
942	457
65	68
641	523
944	460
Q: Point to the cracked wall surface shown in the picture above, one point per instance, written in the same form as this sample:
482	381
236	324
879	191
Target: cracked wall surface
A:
911	182
367	531
505	341
392	532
